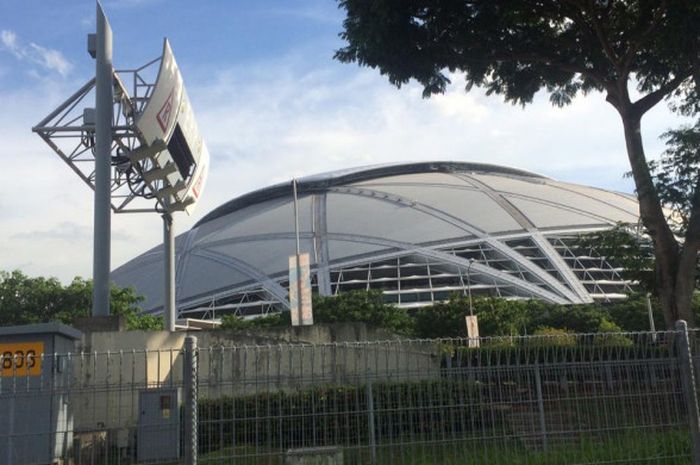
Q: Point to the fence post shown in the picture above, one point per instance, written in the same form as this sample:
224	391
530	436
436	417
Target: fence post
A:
540	406
688	382
190	401
370	423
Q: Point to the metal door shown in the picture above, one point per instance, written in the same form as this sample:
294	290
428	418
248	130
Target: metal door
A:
158	435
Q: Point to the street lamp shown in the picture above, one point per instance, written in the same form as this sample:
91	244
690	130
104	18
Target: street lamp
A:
472	324
469	287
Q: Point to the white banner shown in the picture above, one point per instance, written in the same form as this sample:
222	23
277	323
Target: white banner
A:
300	279
472	330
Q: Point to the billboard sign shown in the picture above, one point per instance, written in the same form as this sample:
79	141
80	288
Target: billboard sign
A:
168	117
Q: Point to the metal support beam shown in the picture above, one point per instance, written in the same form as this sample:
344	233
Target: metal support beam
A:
260	278
493	242
103	169
320	229
297	262
170	312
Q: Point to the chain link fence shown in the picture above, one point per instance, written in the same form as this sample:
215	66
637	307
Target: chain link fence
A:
609	398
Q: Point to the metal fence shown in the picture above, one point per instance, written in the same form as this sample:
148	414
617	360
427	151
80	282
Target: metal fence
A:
613	398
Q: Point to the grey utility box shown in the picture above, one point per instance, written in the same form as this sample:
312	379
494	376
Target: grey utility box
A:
36	420
158	434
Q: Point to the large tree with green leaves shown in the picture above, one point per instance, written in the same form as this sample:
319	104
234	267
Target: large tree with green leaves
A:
27	300
516	48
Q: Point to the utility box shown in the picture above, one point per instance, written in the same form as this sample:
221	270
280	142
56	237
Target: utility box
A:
36	419
158	433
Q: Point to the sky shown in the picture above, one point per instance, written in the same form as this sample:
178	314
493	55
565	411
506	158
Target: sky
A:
271	103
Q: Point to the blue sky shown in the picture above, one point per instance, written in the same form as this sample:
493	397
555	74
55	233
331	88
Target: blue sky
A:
272	104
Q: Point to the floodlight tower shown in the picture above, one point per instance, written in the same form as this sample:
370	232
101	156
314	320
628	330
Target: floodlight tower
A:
103	167
140	151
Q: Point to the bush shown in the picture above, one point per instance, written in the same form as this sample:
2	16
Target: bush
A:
502	317
236	323
576	318
547	336
497	316
632	314
608	334
443	319
354	306
336	415
362	306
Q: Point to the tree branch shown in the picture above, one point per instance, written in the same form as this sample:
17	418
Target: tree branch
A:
555	64
636	45
604	42
645	103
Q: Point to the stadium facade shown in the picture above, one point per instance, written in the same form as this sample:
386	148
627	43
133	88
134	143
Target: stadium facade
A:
420	232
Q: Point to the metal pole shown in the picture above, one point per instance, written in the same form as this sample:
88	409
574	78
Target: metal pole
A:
540	406
469	287
689	388
103	168
10	426
296	235
296	215
169	268
652	325
370	423
190	401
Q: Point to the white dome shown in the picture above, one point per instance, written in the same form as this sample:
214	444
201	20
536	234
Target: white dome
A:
418	231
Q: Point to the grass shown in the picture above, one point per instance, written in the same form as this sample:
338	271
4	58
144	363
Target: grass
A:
670	447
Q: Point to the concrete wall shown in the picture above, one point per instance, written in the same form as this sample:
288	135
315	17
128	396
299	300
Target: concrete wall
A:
115	366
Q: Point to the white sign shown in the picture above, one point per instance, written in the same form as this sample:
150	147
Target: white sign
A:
300	279
472	330
168	116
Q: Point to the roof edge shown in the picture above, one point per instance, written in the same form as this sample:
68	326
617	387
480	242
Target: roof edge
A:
320	182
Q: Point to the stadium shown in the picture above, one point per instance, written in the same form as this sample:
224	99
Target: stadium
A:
420	232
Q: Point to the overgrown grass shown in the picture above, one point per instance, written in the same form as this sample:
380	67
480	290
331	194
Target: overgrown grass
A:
636	447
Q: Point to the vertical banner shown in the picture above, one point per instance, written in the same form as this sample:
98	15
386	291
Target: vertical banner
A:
472	330
300	279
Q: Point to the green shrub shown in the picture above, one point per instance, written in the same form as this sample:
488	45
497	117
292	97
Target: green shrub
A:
497	316
547	336
337	415
443	319
236	323
608	334
362	306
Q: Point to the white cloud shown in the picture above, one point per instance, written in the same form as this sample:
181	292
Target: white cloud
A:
47	58
9	41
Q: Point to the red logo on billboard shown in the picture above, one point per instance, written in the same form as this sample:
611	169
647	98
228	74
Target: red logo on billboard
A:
165	111
197	186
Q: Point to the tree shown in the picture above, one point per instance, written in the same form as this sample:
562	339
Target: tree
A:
361	306
624	247
516	48
26	300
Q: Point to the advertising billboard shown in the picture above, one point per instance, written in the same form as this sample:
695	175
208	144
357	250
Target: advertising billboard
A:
168	117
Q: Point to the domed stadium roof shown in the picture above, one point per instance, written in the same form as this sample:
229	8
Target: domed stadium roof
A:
418	231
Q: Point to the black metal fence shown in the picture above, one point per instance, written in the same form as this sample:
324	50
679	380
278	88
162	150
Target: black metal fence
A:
609	398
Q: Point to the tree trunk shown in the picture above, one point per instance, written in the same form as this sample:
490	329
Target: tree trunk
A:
685	283
674	279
